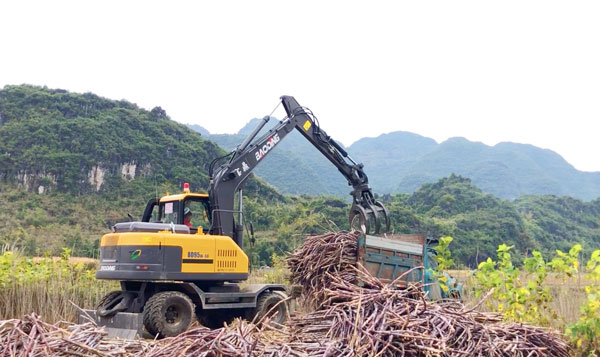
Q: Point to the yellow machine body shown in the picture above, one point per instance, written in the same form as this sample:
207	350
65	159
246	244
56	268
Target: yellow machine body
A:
166	251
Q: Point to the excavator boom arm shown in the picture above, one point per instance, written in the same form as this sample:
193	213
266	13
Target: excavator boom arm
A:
365	213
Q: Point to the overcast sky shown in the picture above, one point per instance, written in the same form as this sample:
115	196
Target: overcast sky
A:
521	71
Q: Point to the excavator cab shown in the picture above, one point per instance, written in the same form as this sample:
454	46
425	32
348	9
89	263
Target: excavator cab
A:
173	209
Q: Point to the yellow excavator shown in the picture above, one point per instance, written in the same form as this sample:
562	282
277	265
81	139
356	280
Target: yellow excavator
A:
185	258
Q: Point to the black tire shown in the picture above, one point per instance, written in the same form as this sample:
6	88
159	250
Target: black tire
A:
106	298
103	304
214	319
455	295
168	313
269	302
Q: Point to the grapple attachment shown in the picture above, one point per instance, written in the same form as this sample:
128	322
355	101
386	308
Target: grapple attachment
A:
369	216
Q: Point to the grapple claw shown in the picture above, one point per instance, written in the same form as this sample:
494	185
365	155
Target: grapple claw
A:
367	216
386	216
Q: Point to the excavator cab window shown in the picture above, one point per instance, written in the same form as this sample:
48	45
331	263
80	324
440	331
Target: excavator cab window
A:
199	207
165	212
174	212
154	215
169	212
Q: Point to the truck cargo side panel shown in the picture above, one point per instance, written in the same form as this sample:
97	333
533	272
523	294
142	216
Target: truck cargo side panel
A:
391	256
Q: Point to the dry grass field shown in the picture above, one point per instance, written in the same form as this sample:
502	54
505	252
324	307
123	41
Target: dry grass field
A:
51	287
567	295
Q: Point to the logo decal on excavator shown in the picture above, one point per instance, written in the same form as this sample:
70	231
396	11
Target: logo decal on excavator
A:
134	254
273	140
244	168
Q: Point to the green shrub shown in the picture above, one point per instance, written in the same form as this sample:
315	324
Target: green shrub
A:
586	331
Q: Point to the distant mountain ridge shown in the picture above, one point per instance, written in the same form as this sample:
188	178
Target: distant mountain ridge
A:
402	162
507	170
296	167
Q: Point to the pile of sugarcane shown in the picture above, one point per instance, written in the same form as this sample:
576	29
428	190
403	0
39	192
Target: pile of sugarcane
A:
379	319
31	336
373	319
321	259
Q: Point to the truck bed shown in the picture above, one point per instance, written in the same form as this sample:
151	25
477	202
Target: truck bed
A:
389	256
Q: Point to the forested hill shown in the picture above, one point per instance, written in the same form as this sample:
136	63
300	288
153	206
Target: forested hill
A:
479	222
403	161
51	139
72	164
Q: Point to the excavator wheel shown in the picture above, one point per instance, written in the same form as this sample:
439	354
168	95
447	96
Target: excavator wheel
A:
113	302
168	313
272	304
106	299
215	318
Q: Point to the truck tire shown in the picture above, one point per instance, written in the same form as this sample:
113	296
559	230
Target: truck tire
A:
270	302
168	313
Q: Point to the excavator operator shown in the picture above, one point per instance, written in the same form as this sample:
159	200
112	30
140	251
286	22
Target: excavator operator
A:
187	217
